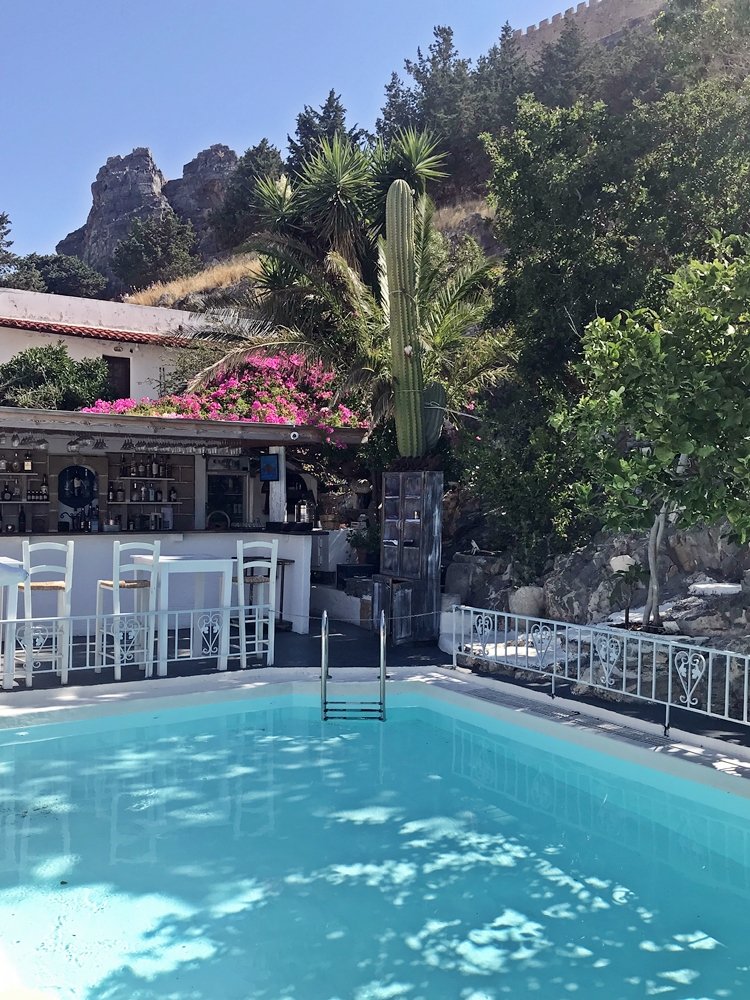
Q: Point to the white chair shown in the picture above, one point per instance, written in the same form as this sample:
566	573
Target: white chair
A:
47	639
256	596
132	632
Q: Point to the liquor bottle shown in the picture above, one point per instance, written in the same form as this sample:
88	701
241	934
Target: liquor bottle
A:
6	491
123	467
120	493
144	493
21	521
111	492
15	465
27	462
172	495
158	495
151	493
135	494
133	469
16	490
45	488
3	463
141	468
154	467
162	470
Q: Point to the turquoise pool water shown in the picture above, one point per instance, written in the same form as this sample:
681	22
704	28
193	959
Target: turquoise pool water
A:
252	852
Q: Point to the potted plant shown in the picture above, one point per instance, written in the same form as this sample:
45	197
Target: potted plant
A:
365	540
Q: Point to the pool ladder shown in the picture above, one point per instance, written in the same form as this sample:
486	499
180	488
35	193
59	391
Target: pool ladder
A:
348	708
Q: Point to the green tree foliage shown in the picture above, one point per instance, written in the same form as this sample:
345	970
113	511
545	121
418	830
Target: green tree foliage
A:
237	217
596	209
661	422
315	125
704	39
7	257
521	472
57	273
159	248
48	378
500	78
400	110
559	79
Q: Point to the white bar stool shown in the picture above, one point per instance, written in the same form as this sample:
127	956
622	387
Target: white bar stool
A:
126	630
12	574
256	573
32	637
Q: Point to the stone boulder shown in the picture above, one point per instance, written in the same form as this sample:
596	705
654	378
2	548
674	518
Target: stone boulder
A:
708	615
583	587
706	549
480	580
527	601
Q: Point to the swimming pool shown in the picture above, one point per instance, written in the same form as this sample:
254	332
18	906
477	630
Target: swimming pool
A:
248	851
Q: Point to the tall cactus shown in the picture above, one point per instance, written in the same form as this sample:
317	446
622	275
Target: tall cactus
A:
405	346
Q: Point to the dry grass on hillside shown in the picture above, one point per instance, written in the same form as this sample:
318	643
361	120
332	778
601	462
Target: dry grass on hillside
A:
449	217
217	276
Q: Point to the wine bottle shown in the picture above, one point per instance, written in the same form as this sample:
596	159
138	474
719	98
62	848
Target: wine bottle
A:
45	488
21	521
27	462
135	495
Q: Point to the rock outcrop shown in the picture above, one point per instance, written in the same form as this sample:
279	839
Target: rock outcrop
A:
126	188
132	187
200	191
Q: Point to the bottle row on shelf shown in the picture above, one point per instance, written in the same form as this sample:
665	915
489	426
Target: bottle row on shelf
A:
142	492
16	464
144	467
30	493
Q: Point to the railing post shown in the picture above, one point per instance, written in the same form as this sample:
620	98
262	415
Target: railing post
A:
454	650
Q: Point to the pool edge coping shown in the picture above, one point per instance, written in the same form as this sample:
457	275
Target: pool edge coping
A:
531	709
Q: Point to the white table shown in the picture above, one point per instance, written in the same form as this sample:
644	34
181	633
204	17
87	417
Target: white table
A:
199	566
11	574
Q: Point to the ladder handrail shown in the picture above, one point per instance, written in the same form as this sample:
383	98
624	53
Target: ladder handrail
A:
323	664
364	707
382	662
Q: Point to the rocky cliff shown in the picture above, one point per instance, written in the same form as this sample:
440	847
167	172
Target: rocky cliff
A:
132	187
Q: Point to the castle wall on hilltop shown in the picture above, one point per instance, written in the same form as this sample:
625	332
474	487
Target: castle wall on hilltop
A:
599	20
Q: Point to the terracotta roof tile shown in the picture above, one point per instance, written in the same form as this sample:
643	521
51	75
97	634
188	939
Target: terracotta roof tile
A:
93	332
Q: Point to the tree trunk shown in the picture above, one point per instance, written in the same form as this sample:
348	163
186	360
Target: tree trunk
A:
651	613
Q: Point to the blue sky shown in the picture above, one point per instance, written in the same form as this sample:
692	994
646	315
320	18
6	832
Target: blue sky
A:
86	79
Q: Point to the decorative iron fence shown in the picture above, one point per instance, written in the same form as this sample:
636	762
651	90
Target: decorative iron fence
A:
151	641
613	662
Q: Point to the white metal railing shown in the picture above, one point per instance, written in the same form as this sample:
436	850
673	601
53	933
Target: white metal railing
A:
611	661
151	641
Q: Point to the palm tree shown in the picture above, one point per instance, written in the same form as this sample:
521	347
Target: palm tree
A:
324	309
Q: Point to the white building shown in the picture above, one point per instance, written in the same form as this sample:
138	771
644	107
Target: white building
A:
138	343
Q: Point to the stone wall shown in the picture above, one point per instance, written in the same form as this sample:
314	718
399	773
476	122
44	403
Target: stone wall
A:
599	20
